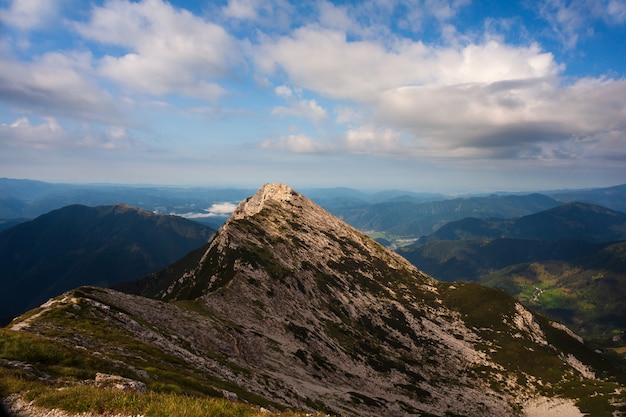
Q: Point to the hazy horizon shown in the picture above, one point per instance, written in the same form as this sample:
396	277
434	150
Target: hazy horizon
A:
371	190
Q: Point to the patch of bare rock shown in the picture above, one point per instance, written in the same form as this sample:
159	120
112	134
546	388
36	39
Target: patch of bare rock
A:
551	407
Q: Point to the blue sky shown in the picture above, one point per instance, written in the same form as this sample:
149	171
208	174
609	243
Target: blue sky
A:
425	95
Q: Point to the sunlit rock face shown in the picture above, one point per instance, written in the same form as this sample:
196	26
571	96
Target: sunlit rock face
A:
292	304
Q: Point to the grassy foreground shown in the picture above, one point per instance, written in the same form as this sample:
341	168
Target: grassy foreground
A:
55	377
89	399
86	399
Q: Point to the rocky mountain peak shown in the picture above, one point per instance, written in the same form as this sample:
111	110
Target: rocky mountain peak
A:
269	192
289	302
280	234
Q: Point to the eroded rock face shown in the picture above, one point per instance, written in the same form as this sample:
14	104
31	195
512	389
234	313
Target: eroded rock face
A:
269	192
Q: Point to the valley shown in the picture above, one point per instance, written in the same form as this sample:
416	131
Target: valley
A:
567	263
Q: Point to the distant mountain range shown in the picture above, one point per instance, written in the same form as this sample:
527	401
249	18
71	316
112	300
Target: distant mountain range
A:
407	218
567	262
610	197
290	308
571	221
396	214
28	199
79	245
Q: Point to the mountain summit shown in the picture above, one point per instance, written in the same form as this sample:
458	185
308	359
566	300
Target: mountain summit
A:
279	193
278	235
289	304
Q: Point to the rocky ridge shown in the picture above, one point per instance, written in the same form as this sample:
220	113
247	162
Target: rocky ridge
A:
290	304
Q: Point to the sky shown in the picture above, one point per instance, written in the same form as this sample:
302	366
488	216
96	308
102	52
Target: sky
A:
424	95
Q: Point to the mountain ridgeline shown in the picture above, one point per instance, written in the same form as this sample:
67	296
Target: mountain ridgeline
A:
289	307
79	245
409	218
571	221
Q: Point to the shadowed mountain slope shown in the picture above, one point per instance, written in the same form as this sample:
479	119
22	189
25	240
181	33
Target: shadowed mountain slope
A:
573	221
79	245
289	306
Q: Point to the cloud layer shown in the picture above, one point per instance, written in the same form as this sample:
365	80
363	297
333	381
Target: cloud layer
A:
397	79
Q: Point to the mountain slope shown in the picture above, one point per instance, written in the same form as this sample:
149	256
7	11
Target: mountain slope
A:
79	245
586	293
575	221
349	325
289	307
577	283
468	259
563	262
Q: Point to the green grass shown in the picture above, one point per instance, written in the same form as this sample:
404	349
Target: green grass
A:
553	298
55	373
118	353
84	399
88	399
587	299
50	357
195	306
522	357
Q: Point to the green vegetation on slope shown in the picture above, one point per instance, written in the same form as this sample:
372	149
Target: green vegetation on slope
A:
522	360
580	284
36	366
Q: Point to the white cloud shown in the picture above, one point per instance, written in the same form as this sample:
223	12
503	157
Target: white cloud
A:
363	140
296	143
476	100
216	210
298	107
22	134
241	9
114	138
370	18
302	108
335	17
255	16
170	51
283	91
222	208
29	14
445	9
57	83
50	134
375	141
326	62
348	115
491	62
572	20
323	61
457	96
509	118
567	21
616	11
